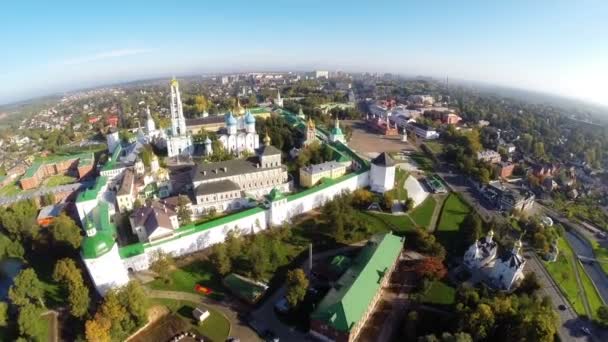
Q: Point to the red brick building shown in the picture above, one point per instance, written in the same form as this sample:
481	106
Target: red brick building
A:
77	165
505	169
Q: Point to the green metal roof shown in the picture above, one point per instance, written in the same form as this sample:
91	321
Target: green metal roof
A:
346	303
91	194
113	162
103	240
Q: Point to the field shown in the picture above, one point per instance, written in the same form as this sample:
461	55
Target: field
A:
423	162
11	189
216	327
593	297
453	213
397	192
186	277
58	180
419	217
439	293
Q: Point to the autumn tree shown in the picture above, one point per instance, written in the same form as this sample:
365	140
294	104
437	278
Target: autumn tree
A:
26	289
70	277
362	198
430	268
65	230
98	329
297	285
161	264
3	314
29	322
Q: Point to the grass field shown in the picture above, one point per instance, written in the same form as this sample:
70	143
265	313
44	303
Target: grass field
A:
424	163
11	189
453	213
400	177
562	271
419	217
600	253
186	277
58	180
423	213
439	293
216	327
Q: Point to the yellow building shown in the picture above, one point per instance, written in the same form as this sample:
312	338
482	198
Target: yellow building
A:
312	174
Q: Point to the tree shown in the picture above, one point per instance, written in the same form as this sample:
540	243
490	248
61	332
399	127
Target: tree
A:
26	289
430	268
184	213
602	315
70	277
161	264
98	329
480	321
387	200
135	301
219	259
297	284
3	314
29	322
362	198
64	229
234	244
471	228
530	284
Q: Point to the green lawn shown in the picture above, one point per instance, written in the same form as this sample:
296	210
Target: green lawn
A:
400	177
453	213
11	189
399	223
58	180
439	293
419	217
435	146
424	162
593	297
563	272
600	253
423	213
186	277
216	327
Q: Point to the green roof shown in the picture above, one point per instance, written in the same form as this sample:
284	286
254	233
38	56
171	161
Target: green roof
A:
85	158
113	162
91	194
102	242
349	299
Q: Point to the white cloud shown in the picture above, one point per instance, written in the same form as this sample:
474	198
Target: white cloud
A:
106	55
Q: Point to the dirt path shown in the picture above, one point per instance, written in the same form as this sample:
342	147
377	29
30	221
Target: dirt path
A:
54	326
237	327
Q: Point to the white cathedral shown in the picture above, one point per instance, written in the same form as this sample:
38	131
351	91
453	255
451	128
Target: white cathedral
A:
240	135
179	141
504	273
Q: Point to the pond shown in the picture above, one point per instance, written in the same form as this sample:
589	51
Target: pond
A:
9	268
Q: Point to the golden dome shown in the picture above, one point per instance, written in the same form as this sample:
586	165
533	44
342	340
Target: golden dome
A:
238	110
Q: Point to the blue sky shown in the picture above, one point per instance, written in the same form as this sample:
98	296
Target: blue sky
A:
552	46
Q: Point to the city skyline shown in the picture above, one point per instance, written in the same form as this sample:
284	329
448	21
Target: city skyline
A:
549	47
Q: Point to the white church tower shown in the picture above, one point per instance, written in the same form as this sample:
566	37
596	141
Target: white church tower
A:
336	133
150	125
278	101
180	142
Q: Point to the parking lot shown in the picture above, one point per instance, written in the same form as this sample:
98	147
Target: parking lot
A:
365	141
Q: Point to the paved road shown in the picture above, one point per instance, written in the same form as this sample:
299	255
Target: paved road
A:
237	328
